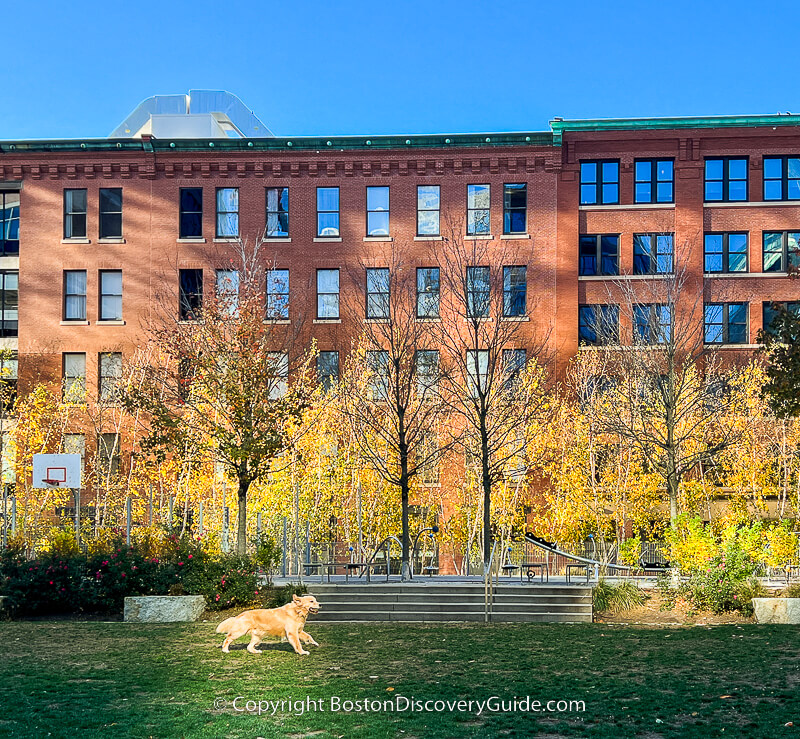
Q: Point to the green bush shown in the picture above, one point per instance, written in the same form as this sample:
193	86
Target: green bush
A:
792	591
65	581
612	598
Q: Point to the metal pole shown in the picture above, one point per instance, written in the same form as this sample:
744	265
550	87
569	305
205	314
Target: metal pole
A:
200	518
283	562
297	532
150	507
5	515
128	521
258	524
14	516
360	532
77	493
169	520
225	523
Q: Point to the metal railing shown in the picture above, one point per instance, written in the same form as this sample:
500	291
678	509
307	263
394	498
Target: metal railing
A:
488	590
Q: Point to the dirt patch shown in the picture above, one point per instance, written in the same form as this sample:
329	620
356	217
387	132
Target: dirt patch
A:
651	614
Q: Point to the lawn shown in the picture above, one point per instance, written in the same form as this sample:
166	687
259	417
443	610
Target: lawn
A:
63	679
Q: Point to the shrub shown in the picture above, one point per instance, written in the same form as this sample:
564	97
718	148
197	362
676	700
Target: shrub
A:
268	554
793	591
612	598
61	543
630	550
277	597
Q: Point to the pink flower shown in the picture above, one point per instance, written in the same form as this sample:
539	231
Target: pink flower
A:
180	564
51	582
123	574
217	598
190	556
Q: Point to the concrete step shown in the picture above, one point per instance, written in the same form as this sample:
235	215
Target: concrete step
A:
442	590
412	606
451	598
397	616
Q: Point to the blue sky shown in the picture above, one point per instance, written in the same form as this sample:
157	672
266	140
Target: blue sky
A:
76	69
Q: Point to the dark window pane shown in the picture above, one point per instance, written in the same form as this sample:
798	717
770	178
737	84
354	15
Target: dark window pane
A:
192	199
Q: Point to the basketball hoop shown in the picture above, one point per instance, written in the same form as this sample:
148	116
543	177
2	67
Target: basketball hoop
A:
55	476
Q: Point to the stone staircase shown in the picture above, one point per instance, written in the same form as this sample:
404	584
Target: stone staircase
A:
431	601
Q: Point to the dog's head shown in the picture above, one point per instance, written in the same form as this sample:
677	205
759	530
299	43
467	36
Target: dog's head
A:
306	603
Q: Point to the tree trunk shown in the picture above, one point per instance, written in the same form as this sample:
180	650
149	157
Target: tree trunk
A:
241	532
487	499
405	567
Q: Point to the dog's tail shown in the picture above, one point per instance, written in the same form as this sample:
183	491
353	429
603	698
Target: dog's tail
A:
224	627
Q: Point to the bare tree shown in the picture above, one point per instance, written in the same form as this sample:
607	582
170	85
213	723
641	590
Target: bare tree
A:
496	382
227	379
660	383
390	391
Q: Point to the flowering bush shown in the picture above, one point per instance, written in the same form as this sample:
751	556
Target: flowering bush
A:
65	580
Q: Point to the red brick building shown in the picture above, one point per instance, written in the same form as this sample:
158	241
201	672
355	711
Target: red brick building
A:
93	230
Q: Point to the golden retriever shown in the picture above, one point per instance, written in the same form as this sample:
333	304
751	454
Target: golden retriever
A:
287	621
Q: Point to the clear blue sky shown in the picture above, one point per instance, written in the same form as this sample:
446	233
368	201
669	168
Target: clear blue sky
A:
75	69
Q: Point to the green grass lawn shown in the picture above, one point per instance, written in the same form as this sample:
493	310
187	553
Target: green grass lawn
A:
65	679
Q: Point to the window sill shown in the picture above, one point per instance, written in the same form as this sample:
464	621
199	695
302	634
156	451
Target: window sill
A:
515	236
473	237
277	240
752	204
226	239
377	320
513	319
115	240
428	320
428	238
327	238
629	206
109	323
478	319
740	275
277	321
594	278
191	240
327	320
732	346
74	323
378	238
76	241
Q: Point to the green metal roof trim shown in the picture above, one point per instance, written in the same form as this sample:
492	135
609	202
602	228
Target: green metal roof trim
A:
302	143
559	126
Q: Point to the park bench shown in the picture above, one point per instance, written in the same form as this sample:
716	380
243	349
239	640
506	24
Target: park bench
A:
430	570
509	569
586	567
323	567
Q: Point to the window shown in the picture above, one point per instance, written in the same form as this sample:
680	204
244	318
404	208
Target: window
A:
772	309
781	178
477	371
327	293
478	210
654	181
74	377
478	292
74	214
227	288
427	463
427	370
278	294
111	213
277	212
599	182
378	367
514	361
598	324
781	251
9	223
726	179
726	323
108	454
378	293
377	211
74	294
652	254
9	303
278	368
227	212
9	366
110	295
515	286
328	369
327	211
190	301
599	254
109	376
190	225
725	252
515	209
427	292
652	324
428	204
75	444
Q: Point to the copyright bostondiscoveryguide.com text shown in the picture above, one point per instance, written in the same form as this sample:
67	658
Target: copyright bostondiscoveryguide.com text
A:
398	704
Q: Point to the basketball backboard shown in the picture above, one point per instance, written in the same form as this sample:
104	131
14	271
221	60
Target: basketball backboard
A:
57	471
